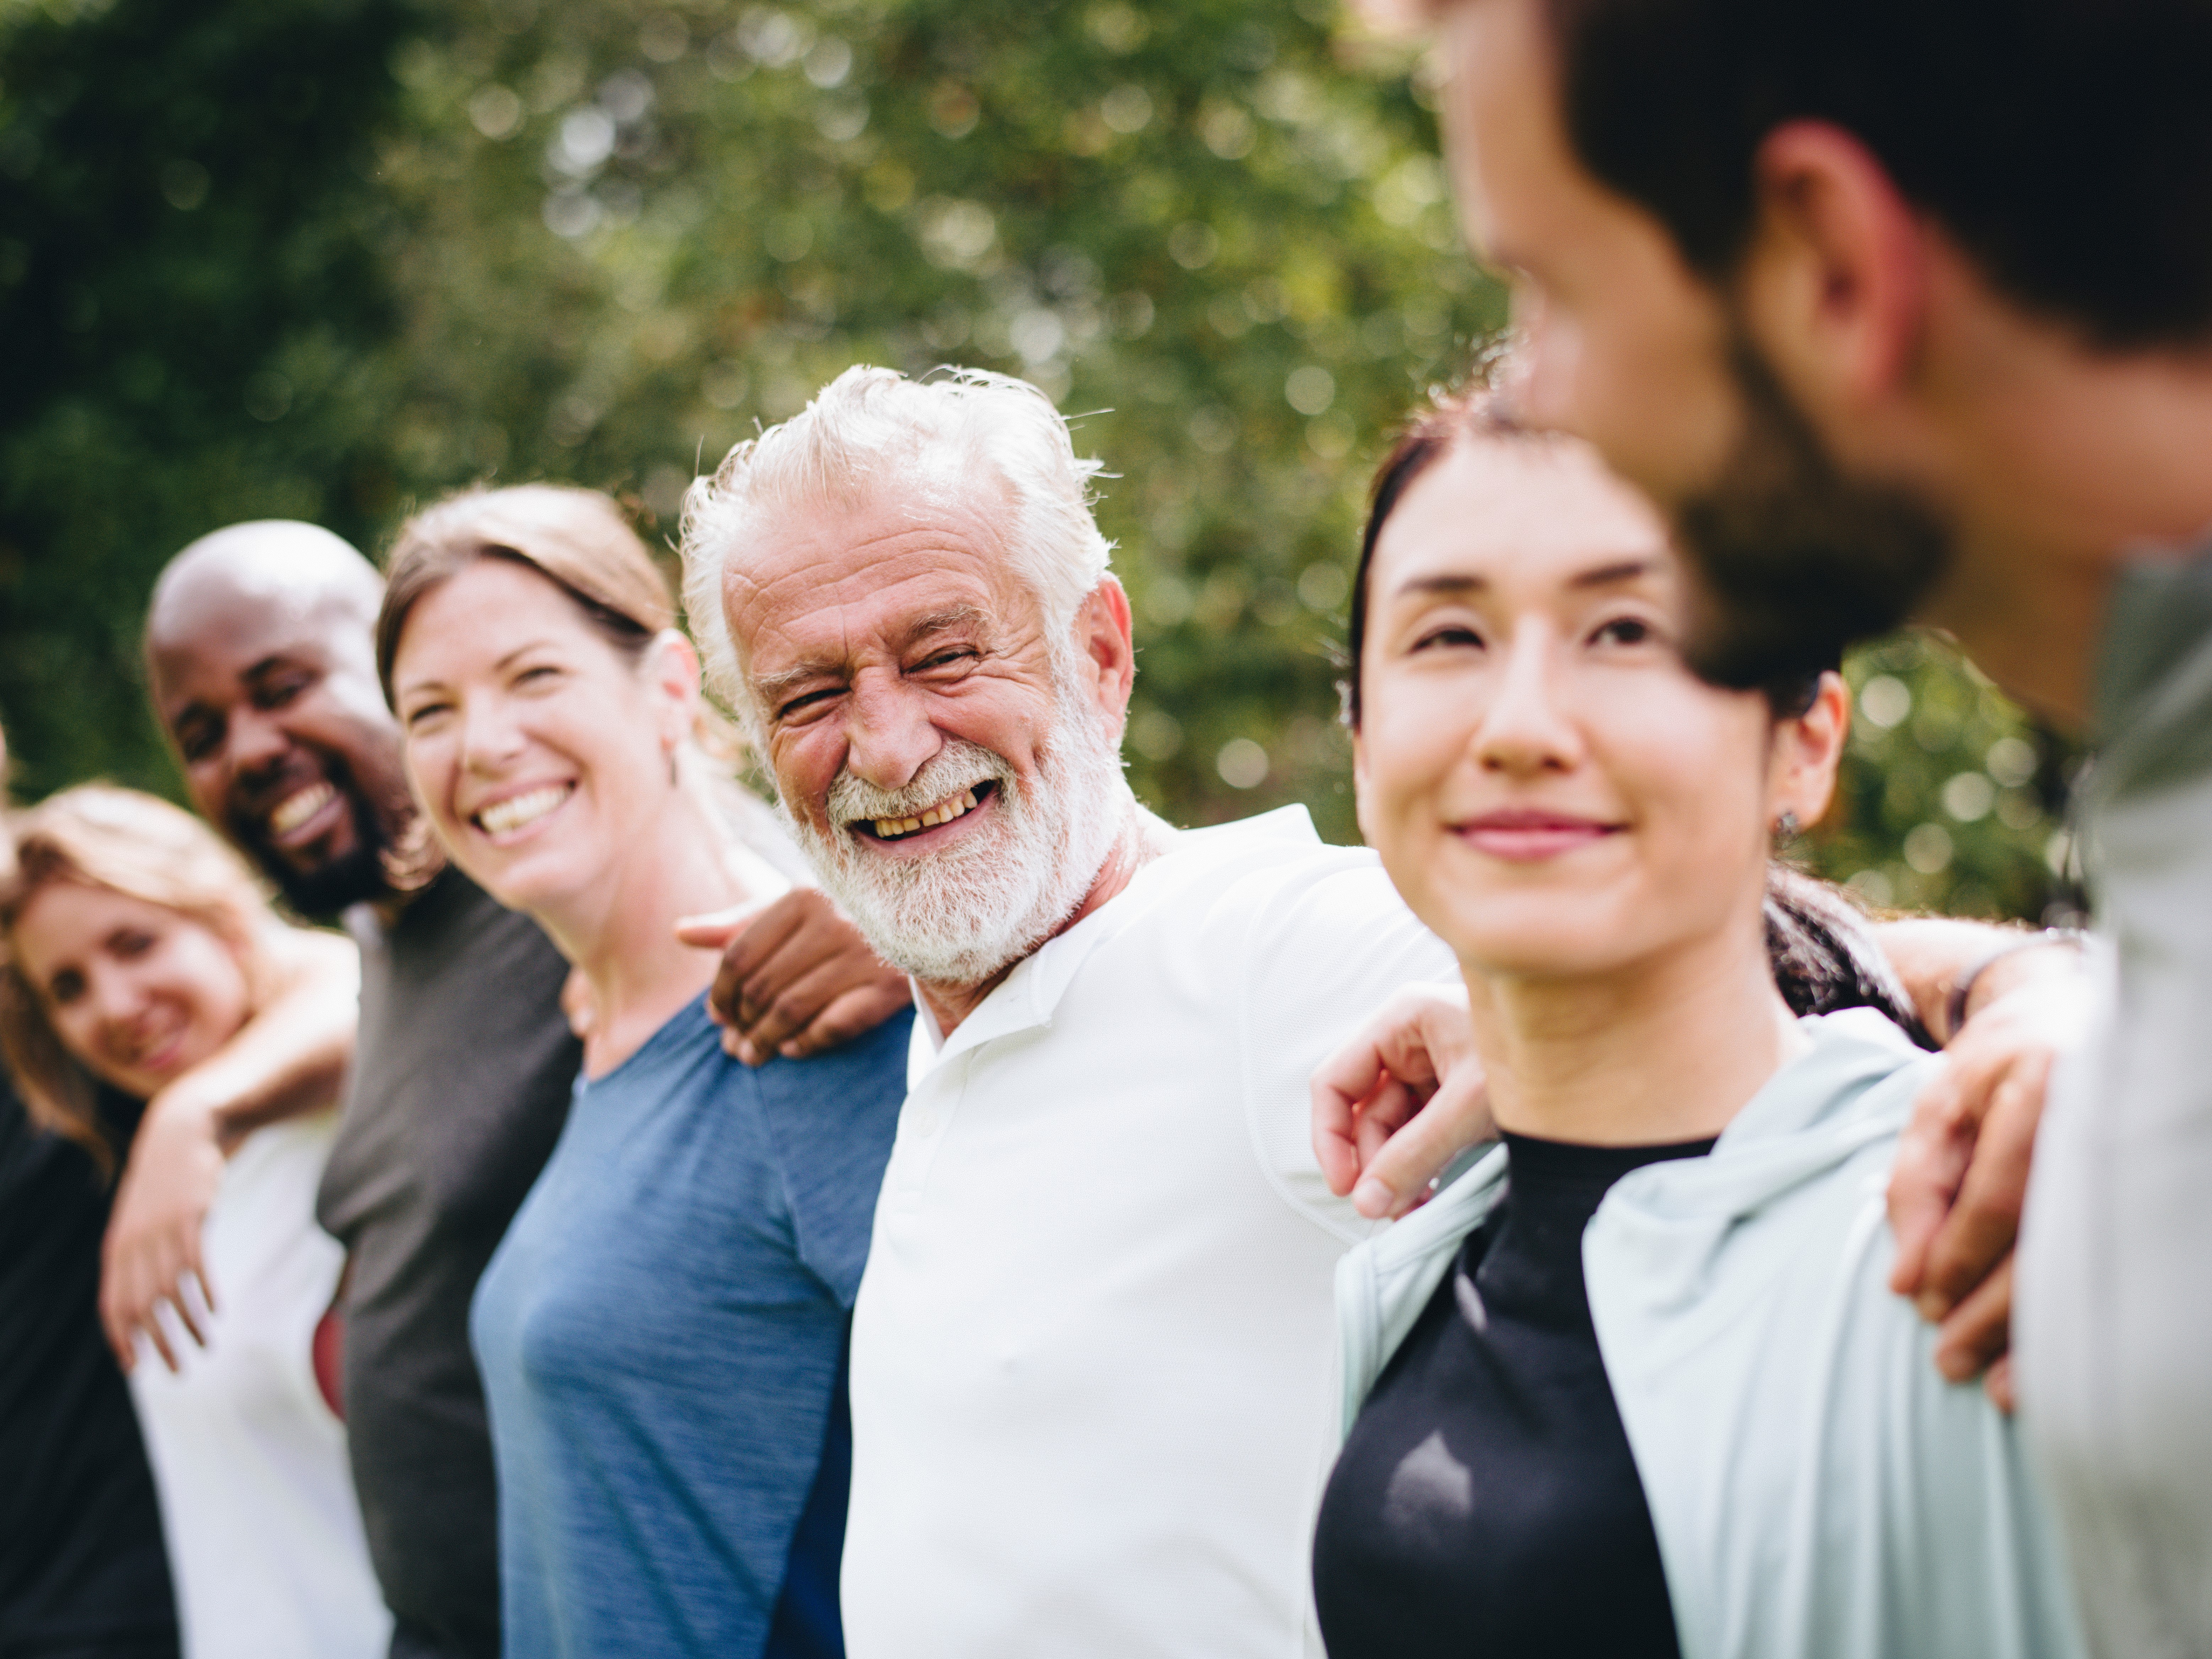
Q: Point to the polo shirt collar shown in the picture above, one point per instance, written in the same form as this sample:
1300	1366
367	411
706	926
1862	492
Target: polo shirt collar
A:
1026	997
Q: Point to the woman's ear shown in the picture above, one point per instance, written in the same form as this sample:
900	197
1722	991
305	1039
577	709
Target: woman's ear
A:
1359	790
671	665
1807	749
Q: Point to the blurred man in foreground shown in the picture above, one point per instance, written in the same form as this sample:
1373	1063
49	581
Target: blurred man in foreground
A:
1902	310
260	658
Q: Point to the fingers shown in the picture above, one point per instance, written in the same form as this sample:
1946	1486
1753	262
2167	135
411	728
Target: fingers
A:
142	1273
1455	1117
1979	1232
1341	1085
1996	1382
715	929
767	929
1931	1162
859	1010
1394	1048
782	938
784	1015
1979	1331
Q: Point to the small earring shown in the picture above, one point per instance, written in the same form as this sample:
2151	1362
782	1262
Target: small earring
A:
1786	827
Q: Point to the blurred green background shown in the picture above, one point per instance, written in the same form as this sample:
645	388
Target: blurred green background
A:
326	259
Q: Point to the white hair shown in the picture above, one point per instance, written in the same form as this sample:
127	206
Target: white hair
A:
859	430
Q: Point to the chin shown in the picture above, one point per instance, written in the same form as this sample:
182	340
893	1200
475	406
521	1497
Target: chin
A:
1537	936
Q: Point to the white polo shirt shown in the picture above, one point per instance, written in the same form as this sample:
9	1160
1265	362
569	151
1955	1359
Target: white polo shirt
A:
1091	1357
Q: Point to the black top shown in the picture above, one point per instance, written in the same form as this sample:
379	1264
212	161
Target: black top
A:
82	1568
462	1082
1486	1501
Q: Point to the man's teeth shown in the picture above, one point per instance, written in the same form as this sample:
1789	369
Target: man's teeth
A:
891	829
503	816
302	804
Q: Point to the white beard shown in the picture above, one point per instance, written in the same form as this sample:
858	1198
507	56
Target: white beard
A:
959	916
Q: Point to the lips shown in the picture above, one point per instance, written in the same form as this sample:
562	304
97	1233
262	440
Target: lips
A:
957	806
518	811
1524	836
303	814
151	1046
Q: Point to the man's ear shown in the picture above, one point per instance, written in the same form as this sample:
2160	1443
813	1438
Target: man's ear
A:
1105	642
1834	286
1808	752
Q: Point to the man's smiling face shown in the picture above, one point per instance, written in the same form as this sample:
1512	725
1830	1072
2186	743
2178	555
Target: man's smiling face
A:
270	696
952	778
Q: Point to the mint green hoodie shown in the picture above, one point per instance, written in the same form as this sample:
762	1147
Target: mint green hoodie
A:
1818	1490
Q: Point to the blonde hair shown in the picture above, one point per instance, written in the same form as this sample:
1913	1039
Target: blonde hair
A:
580	541
99	836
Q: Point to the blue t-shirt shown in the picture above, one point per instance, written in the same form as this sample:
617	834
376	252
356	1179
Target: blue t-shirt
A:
662	1339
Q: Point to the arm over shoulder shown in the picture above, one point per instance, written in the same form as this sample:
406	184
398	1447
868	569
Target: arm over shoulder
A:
1817	1487
1315	947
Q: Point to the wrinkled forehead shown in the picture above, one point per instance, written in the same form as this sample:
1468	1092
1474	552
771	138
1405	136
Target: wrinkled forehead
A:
906	550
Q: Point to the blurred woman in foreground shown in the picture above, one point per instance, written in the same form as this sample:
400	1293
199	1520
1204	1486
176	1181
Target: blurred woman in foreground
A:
1636	1383
662	1332
138	945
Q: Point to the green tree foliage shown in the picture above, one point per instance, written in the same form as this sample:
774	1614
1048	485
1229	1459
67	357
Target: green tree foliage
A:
328	260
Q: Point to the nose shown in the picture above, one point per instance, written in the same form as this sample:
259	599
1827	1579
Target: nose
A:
1526	730
889	736
114	999
256	742
492	739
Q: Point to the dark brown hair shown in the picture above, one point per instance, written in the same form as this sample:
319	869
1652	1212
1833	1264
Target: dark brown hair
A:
1475	414
2065	144
1819	941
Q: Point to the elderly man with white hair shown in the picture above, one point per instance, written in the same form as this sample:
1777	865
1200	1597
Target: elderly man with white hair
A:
1090	1365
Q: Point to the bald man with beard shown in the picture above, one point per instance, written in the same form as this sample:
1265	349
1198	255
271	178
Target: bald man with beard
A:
261	669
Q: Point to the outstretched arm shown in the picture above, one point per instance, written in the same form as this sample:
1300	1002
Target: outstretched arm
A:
289	1058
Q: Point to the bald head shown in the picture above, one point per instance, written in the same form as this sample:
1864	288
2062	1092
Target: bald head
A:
260	660
278	562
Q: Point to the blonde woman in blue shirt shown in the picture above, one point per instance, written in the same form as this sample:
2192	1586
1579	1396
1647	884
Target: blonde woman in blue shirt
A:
662	1332
1636	1383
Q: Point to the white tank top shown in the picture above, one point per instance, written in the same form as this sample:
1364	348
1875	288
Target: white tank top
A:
265	1537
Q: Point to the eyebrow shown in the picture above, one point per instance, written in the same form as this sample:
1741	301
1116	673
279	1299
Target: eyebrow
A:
771	688
1445	583
520	650
1611	575
1455	583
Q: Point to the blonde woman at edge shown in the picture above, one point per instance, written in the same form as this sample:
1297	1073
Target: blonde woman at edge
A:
137	945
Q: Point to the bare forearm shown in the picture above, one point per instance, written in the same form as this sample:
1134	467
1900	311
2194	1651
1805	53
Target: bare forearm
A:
1932	953
291	1057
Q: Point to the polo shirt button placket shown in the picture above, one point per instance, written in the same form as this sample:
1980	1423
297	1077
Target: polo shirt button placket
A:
932	1113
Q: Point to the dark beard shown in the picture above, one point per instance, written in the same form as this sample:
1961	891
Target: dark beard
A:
324	891
1796	561
353	877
